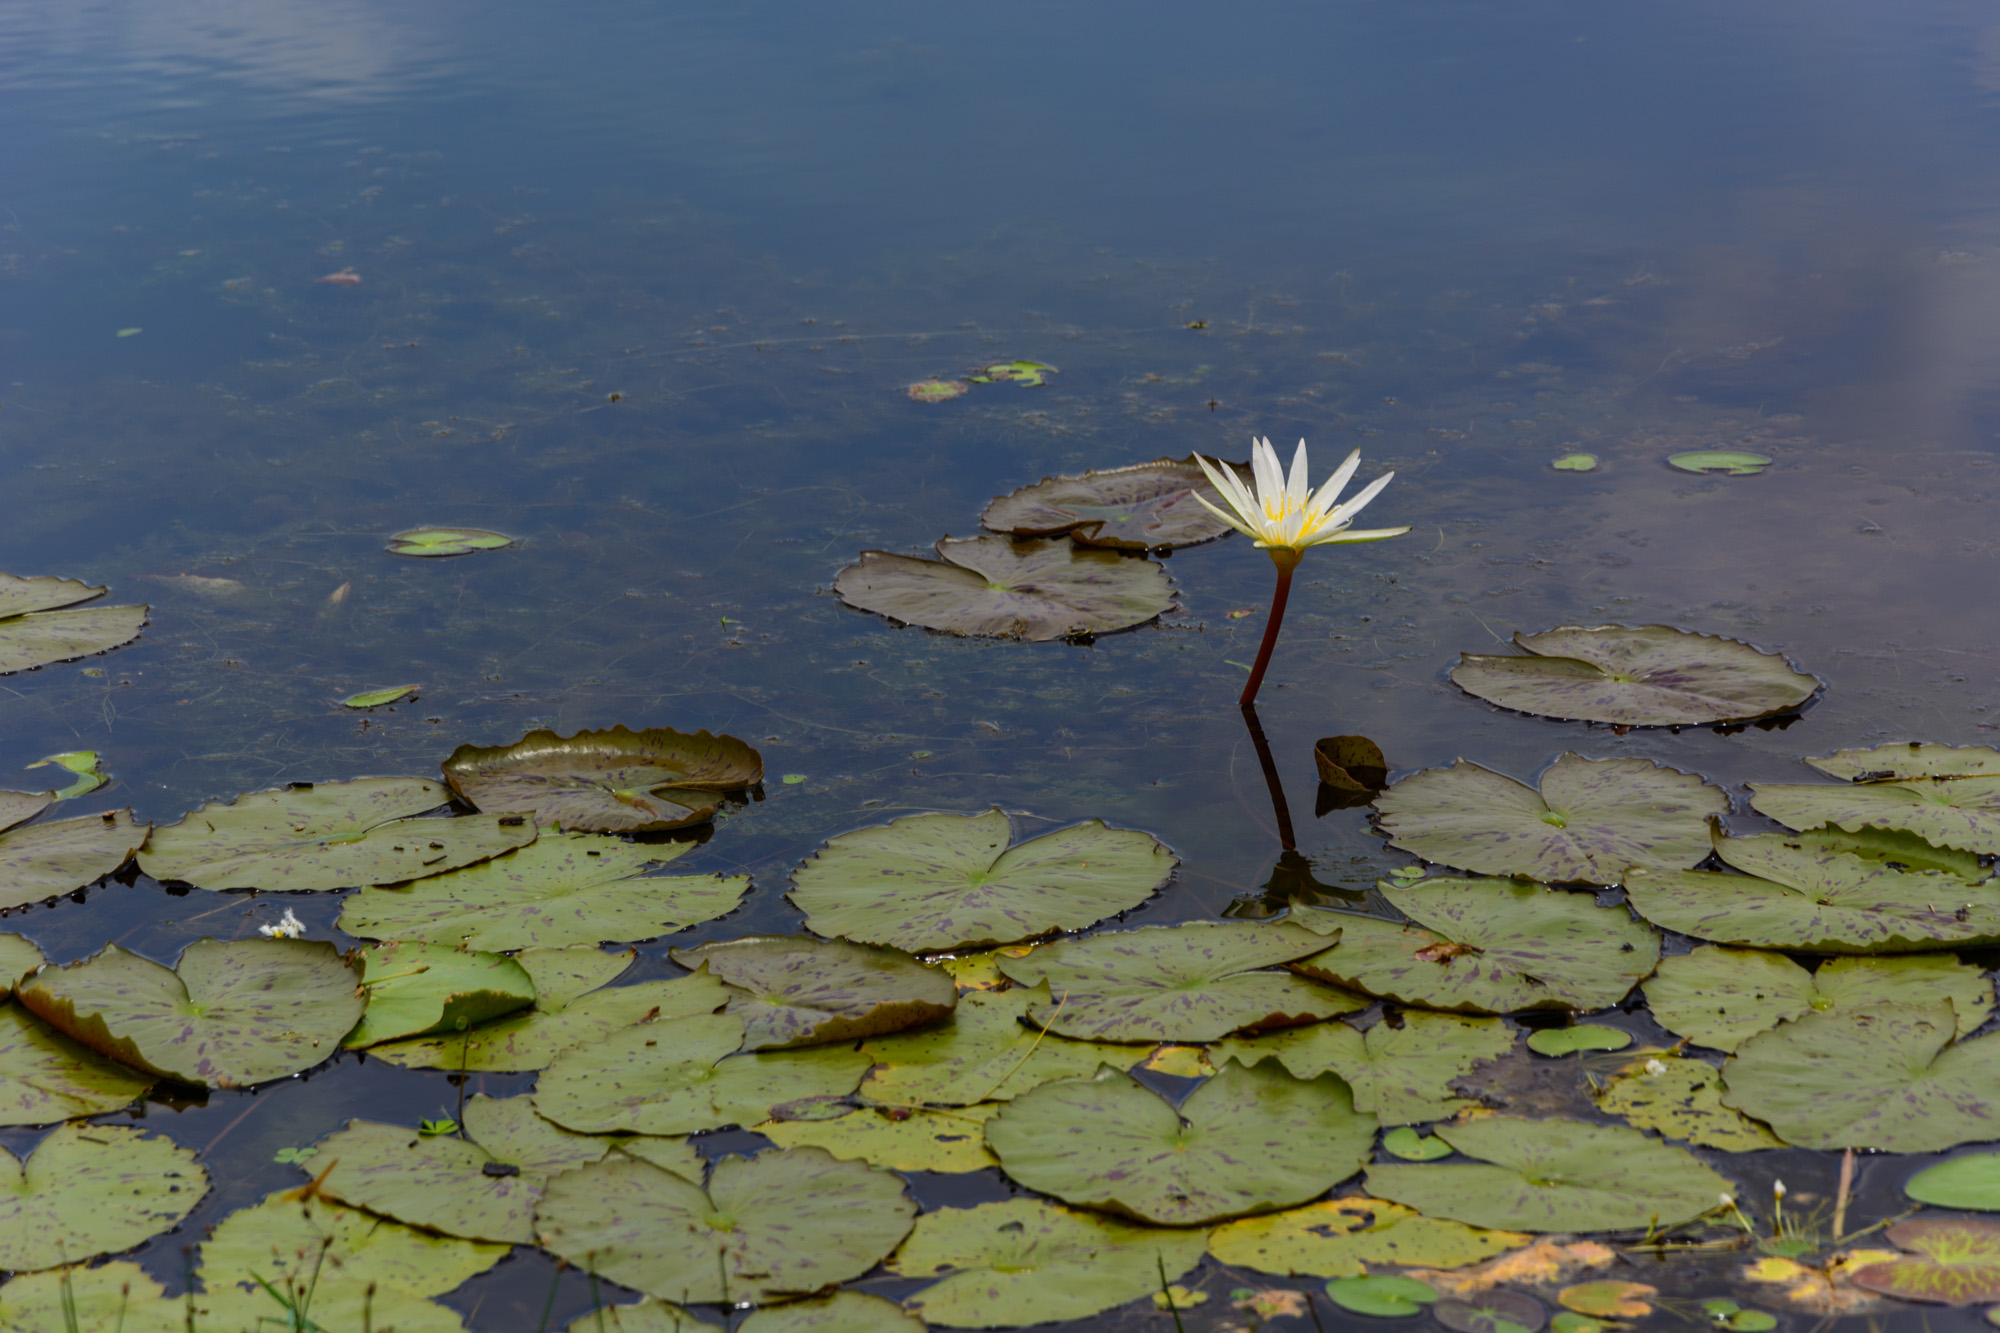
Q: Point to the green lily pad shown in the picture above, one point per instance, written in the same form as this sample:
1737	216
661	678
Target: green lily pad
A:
784	1221
286	1238
45	1076
1796	895
1341	1237
416	989
332	1301
1385	1296
798	991
1734	462
379	698
17	807
1971	1182
1246	1141
1721	997
459	1186
1033	588
562	889
1898	849
643	1316
983	1053
119	1295
1554	1175
1950	1262
1400	1075
333	835
1592	819
1027	374
1888	1077
1023	1261
1491	1311
941	881
842	1312
1945	794
950	1141
84	764
18	957
1575	463
447	541
1644	676
88	1190
1490	946
1680	1098
1583	1037
613	781
936	391
230	1014
1198	981
34	631
41	861
1412	1146
1143	507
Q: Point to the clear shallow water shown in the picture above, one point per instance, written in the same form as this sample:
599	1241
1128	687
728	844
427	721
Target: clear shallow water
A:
1466	238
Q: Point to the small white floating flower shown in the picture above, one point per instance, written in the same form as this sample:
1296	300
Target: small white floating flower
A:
1655	1068
290	928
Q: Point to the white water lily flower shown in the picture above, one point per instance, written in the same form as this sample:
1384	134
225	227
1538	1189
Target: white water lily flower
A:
1655	1068
1283	514
290	928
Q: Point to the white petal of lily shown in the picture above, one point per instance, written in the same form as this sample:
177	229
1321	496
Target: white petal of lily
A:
1229	518
1297	492
1230	488
1344	515
1360	535
1330	491
1264	465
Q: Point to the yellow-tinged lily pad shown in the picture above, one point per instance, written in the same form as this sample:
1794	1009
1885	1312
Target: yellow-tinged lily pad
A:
984	1052
902	1139
1947	1262
1680	1098
1609	1299
1341	1237
936	391
117	1296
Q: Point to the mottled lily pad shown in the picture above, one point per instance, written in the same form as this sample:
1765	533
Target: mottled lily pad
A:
1340	1237
1198	981
1733	462
785	1221
1680	1098
951	1141
416	989
984	1052
1591	820
842	1312
1721	997
46	1076
230	1014
1400	1073
1972	1182
798	991
1033	588
1554	1175
1490	946
612	781
330	835
1945	794
35	631
447	541
943	881
1949	1262
40	861
1246	1141
118	1296
1143	507
1027	1262
88	1190
18	957
1644	676
286	1239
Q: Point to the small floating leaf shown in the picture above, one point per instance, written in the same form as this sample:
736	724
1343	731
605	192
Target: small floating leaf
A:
1950	1262
83	763
1027	374
1033	588
1411	1146
1582	1037
1143	507
799	991
1721	997
1575	463
1386	1297
1963	1182
415	989
1732	461
1351	764
1340	1237
1945	794
88	1190
936	391
377	698
447	541
613	781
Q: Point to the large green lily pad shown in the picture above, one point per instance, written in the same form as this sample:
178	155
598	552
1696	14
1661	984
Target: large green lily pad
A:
1721	997
88	1190
1946	794
1198	981
1680	1098
612	781
459	1186
1340	1237
1972	1181
789	1221
1644	676
286	1238
415	989
1027	1262
1799	895
944	881
45	1076
118	1296
1033	588
333	835
40	861
1554	1175
1490	946
1143	507
1888	1078
842	1312
1952	1261
983	1053
34	632
232	1013
1400	1073
1248	1140
562	889
1591	820
798	991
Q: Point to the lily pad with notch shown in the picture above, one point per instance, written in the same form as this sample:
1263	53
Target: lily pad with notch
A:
985	1052
1341	1237
447	541
1946	794
42	861
1948	1261
799	991
1636	676
930	882
415	989
610	781
1721	997
88	1190
1147	506
1590	821
1400	1072
46	1076
1032	588
41	623
291	1235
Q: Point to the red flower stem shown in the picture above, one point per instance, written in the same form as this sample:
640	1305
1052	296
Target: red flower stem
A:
1278	600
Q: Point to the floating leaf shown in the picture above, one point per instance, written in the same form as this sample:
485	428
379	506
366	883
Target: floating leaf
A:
1491	1312
1950	1262
1945	794
1400	1074
230	1014
644	1316
1610	1299
415	989
1490	946
1411	1146
18	957
943	881
1972	1182
936	391
1340	1237
1387	1296
43	860
1028	374
1197	981
88	1190
1681	1098
333	835
1582	1037
1887	1078
447	541
1352	764
984	1052
1143	507
1554	1175
1027	1262
286	1239
613	781
905	1140
378	698
82	763
1898	849
786	1221
842	1312
1246	1141
1721	997
1033	588
1575	463
117	1296
799	991
35	632
1644	676
1734	462
1592	819
45	1076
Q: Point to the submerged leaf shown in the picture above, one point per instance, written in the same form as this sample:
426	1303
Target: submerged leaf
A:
40	861
1951	1262
1142	507
1721	997
34	632
1401	1075
1035	588
1341	1237
799	991
415	989
88	1190
1946	794
611	781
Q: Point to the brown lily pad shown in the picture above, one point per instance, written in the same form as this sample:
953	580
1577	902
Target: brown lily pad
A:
613	781
1148	506
1035	588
